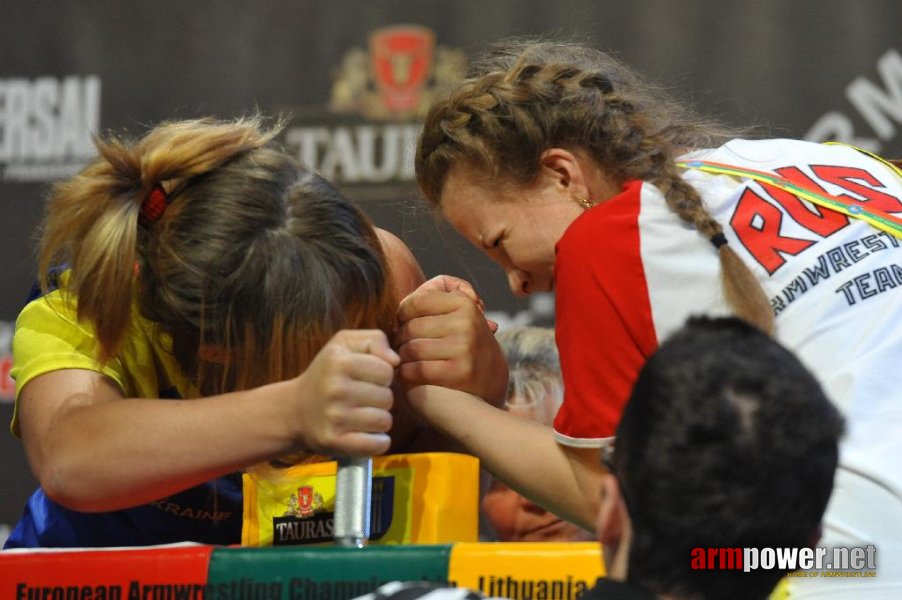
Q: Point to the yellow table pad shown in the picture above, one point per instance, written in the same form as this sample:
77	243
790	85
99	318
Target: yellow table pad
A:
422	498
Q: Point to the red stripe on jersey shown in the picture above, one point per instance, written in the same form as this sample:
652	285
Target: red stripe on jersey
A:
603	324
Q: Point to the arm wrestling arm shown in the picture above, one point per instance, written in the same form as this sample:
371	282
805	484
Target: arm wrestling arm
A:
93	450
520	452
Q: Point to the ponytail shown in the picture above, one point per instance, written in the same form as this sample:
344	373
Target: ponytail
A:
741	288
92	221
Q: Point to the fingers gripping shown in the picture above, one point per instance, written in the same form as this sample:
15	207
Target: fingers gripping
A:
444	339
352	376
368	342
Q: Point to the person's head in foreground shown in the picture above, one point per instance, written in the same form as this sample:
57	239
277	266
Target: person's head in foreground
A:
727	442
534	391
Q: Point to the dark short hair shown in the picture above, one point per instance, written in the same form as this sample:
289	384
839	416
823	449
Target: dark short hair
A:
727	441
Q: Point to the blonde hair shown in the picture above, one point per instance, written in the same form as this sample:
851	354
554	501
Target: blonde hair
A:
528	96
255	256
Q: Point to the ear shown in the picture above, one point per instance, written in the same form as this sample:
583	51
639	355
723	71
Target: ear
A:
566	170
612	514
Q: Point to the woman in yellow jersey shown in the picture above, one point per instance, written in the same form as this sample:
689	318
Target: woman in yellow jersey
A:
218	305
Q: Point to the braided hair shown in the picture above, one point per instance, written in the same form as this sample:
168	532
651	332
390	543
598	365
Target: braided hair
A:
526	96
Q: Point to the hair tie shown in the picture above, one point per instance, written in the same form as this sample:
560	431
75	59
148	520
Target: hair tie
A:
719	239
154	205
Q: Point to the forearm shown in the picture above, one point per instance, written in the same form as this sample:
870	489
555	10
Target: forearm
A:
520	452
94	450
152	448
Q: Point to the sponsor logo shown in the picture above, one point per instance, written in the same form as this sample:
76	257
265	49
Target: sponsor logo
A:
46	126
368	135
838	561
309	520
305	520
305	503
400	76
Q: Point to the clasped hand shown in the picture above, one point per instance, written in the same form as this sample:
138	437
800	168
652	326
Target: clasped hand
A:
444	339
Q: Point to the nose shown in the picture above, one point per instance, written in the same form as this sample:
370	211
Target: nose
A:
518	282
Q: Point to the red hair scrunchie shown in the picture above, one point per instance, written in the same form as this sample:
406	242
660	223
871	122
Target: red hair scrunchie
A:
154	205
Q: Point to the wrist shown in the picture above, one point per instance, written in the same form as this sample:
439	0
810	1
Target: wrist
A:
282	417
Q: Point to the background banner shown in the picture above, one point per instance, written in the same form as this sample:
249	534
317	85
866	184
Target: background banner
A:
352	79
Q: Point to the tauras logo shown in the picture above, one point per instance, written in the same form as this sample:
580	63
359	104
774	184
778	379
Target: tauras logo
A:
46	125
398	77
292	530
366	153
308	520
379	94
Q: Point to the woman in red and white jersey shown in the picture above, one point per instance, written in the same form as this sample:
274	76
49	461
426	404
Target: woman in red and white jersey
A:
576	177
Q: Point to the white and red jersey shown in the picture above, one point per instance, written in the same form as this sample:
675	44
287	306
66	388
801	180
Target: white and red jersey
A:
629	272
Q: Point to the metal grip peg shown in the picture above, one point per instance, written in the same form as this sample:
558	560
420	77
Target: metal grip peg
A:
353	490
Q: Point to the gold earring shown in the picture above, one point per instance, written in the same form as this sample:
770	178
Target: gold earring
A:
585	203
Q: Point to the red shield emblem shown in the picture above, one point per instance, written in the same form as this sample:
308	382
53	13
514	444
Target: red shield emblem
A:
402	59
305	500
